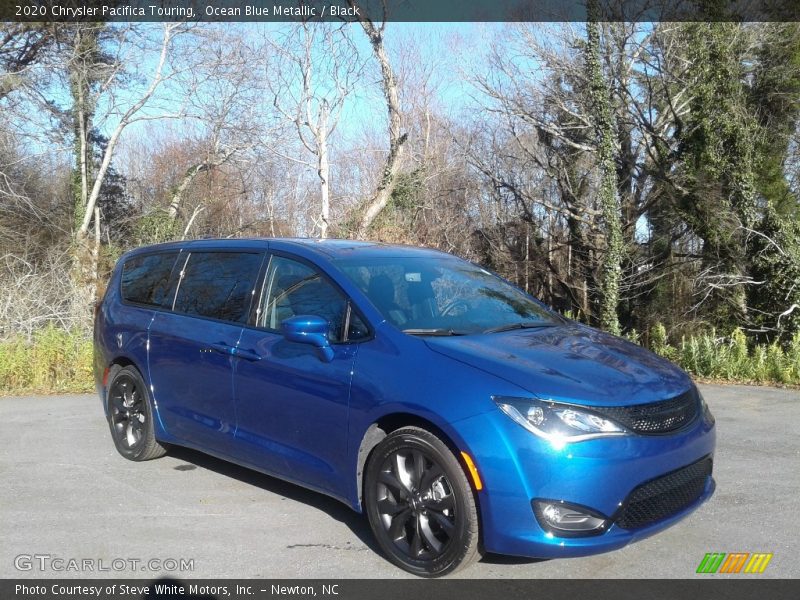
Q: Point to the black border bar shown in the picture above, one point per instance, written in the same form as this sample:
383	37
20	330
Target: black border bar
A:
398	10
702	587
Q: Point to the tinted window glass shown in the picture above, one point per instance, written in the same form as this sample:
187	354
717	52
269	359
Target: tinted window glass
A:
145	279
358	329
433	294
292	289
218	285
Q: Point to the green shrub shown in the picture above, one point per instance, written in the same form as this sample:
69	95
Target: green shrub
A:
633	336
54	360
731	358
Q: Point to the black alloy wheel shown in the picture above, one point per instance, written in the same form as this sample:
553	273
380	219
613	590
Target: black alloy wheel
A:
420	505
130	416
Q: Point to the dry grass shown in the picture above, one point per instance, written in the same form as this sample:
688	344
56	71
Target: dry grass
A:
51	360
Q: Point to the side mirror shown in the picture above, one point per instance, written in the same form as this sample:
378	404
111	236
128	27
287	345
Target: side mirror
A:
309	329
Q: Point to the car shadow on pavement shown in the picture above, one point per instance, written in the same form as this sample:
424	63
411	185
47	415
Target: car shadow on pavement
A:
357	523
502	559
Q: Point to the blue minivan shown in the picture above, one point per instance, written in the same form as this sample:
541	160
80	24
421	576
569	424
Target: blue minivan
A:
461	414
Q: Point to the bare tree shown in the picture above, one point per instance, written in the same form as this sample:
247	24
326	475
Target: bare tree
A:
96	76
127	115
224	107
315	70
370	210
22	46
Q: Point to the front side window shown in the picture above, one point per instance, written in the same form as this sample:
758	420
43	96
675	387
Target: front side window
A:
146	279
218	285
292	288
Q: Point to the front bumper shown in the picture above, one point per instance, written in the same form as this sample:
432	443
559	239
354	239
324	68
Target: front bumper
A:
518	467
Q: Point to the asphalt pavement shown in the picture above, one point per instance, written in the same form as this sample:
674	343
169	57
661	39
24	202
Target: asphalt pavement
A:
67	496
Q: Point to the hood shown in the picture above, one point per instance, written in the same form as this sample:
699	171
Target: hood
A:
569	363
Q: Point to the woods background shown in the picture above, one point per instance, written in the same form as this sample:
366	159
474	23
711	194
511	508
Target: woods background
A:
640	177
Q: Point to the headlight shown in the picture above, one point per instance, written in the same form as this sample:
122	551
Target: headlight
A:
558	423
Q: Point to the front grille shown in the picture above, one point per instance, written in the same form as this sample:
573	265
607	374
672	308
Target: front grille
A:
656	417
664	496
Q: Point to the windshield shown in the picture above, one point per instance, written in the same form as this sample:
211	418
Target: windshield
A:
444	296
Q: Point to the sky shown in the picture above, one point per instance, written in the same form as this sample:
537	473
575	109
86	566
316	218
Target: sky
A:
454	51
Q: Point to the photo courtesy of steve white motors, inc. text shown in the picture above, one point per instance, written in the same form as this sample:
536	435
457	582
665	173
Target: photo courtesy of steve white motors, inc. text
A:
120	10
171	589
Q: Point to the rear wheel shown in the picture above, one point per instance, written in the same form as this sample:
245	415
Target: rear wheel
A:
130	416
420	504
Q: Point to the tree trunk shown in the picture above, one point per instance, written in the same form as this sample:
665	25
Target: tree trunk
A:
177	196
85	256
188	178
80	71
82	158
396	138
323	169
609	199
124	121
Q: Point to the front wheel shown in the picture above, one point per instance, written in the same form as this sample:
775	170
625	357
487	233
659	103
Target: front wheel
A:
130	416
420	504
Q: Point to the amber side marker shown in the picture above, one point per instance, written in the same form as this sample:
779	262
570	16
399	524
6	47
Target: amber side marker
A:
476	479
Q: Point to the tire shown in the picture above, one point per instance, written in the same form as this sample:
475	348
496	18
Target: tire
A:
130	416
420	505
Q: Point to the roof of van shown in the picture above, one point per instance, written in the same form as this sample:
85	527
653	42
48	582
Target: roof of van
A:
331	248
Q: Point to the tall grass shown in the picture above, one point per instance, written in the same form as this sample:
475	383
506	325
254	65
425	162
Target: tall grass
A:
59	360
51	360
731	358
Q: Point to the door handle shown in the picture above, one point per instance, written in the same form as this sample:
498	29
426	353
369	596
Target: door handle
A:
247	354
223	348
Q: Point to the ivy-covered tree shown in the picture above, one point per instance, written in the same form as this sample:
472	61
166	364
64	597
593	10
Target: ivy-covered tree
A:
717	179
602	117
774	246
775	300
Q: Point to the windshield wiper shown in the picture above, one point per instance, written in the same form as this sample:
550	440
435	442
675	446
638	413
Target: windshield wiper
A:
432	332
523	325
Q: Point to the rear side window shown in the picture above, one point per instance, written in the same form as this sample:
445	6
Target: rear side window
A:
145	279
218	285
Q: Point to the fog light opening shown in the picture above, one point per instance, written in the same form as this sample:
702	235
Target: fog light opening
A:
562	519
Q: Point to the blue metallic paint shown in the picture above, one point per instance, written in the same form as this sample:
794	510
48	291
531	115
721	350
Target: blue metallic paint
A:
201	406
570	362
309	329
273	405
293	410
120	335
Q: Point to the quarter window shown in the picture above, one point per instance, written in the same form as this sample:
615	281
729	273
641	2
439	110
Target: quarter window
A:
146	279
218	285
